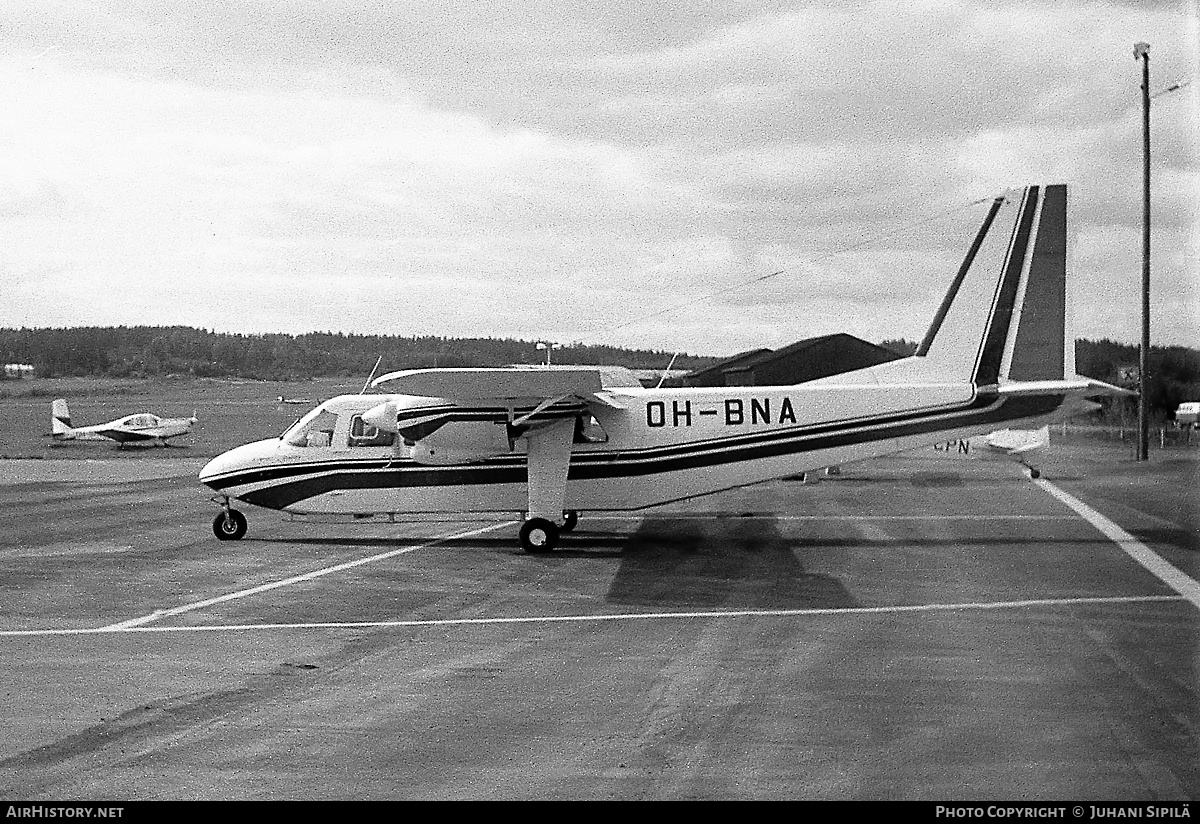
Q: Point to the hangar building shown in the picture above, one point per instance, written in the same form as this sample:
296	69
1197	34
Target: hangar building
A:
805	360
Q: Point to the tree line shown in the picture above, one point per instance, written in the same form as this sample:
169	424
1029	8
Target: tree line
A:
156	351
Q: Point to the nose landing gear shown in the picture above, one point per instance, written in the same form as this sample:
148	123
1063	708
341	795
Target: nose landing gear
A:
229	525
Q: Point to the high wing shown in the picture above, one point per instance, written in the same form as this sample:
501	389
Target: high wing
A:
509	383
471	414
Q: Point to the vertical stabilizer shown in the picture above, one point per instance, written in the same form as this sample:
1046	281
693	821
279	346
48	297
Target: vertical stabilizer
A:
60	419
1036	348
1004	316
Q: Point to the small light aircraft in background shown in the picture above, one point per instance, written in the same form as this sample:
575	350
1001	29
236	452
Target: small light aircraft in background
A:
141	427
551	441
1003	444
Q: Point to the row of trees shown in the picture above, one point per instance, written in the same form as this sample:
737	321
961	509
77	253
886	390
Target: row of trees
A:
150	351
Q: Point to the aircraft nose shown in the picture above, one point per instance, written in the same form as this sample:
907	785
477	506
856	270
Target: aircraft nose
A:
222	467
215	468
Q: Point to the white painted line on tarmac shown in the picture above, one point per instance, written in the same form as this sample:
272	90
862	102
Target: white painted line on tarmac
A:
622	616
1144	555
308	576
734	516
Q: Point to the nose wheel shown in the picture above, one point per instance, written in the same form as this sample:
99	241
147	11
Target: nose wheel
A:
229	525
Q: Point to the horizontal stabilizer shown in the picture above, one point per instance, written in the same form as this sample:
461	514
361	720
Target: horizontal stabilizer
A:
1085	387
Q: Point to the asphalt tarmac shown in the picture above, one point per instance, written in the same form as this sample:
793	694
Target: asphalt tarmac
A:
917	627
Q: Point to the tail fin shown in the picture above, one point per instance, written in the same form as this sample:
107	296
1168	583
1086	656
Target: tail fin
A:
60	420
1004	317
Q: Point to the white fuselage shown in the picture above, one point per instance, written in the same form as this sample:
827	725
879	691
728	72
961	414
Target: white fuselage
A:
651	446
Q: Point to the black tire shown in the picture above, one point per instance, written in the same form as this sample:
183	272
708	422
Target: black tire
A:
229	527
570	521
538	535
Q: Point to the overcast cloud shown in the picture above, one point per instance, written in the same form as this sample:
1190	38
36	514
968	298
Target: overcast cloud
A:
567	171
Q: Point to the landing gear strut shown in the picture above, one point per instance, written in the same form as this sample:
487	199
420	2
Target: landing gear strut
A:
229	525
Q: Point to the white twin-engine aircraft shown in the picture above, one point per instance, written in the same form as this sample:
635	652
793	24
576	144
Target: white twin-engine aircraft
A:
141	427
556	441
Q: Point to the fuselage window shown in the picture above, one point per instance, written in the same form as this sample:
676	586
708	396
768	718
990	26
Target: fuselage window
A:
313	430
363	434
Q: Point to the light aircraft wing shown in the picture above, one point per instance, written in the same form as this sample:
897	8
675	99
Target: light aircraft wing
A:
123	434
1015	442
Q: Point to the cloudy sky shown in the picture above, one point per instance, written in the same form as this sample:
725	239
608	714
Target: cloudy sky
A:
604	172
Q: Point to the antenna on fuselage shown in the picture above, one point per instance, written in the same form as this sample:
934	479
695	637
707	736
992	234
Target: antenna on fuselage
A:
666	371
370	376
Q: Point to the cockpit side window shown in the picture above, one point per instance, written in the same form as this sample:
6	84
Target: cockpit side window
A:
363	434
313	430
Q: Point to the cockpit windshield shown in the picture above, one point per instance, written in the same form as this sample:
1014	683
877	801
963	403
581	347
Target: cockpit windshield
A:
314	429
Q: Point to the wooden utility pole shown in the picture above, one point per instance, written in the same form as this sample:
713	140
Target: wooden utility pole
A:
1142	50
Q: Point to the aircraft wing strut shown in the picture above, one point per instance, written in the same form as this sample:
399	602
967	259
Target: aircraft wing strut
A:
548	398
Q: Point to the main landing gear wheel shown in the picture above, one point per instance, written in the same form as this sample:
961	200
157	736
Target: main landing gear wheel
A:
570	520
229	525
538	535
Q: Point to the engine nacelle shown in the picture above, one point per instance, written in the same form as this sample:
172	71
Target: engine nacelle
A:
382	417
462	443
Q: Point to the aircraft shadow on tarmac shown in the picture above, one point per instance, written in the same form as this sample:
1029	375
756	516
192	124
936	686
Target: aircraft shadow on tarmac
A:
724	563
721	563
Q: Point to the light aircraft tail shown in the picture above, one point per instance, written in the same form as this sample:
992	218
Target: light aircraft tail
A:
60	420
